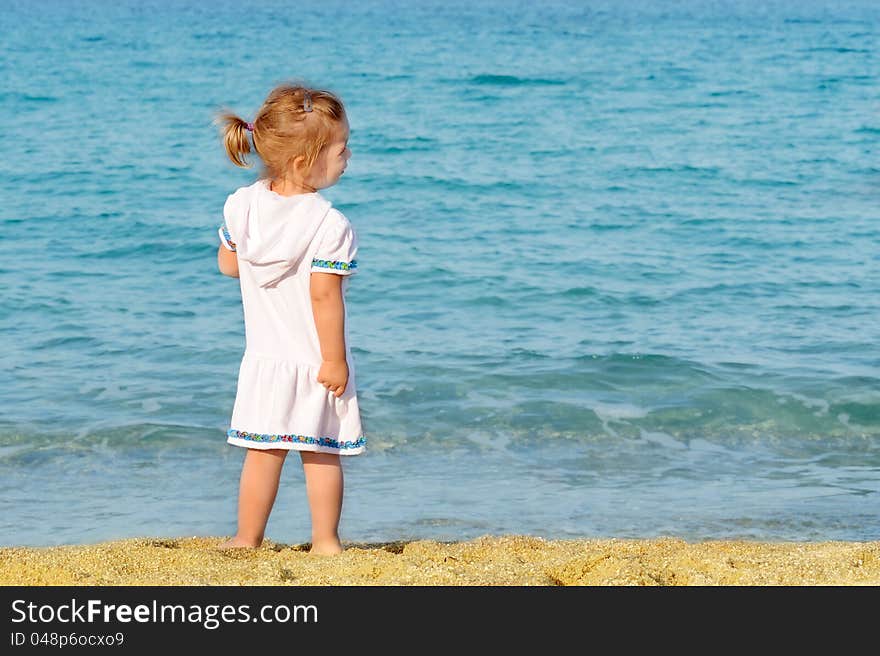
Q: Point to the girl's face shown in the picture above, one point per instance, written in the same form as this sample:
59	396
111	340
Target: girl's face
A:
331	163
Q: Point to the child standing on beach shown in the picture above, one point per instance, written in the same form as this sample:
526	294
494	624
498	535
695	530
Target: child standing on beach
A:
293	253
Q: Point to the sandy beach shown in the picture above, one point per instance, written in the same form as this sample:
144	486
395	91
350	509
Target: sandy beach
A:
490	560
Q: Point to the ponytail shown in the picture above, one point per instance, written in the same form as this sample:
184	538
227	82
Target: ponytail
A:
234	131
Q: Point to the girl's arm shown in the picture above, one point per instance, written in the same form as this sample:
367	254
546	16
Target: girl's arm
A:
227	262
326	293
329	313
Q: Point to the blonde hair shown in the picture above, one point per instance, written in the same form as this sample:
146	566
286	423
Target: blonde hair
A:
284	128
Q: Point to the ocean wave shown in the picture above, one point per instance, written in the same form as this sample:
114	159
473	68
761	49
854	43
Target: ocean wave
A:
513	80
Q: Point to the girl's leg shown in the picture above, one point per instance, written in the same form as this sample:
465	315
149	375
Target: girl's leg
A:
256	495
324	485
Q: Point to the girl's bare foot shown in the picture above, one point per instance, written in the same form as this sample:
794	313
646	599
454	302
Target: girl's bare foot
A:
326	548
237	542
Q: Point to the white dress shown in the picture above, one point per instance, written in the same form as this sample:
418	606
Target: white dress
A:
280	241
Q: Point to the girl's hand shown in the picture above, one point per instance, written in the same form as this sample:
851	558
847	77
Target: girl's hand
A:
334	376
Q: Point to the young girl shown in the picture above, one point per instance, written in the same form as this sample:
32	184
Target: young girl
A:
293	254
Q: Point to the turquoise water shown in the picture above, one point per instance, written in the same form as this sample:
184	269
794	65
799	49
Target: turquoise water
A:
619	266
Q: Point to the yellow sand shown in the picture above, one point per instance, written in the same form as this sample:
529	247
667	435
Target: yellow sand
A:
506	560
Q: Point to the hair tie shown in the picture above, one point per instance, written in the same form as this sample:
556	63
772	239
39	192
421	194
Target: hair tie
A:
307	101
250	127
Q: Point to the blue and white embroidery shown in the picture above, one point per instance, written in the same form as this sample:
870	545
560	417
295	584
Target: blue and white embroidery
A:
226	238
299	439
335	264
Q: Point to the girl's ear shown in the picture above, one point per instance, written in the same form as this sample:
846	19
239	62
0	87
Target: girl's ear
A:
298	165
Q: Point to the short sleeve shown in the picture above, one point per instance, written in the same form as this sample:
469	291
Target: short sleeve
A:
226	238
337	252
233	209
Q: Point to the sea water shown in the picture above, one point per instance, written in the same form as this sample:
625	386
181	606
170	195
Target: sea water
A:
619	267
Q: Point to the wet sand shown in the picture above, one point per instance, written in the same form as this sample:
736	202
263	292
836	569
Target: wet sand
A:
505	560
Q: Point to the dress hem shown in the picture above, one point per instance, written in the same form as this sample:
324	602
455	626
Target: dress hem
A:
293	446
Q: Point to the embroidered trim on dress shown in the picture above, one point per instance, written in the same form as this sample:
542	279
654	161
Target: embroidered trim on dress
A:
226	238
334	264
300	439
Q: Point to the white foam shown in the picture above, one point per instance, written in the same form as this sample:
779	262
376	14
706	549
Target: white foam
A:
810	402
611	412
150	405
663	439
608	412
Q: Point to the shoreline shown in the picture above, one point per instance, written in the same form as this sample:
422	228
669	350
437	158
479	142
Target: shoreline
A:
488	560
